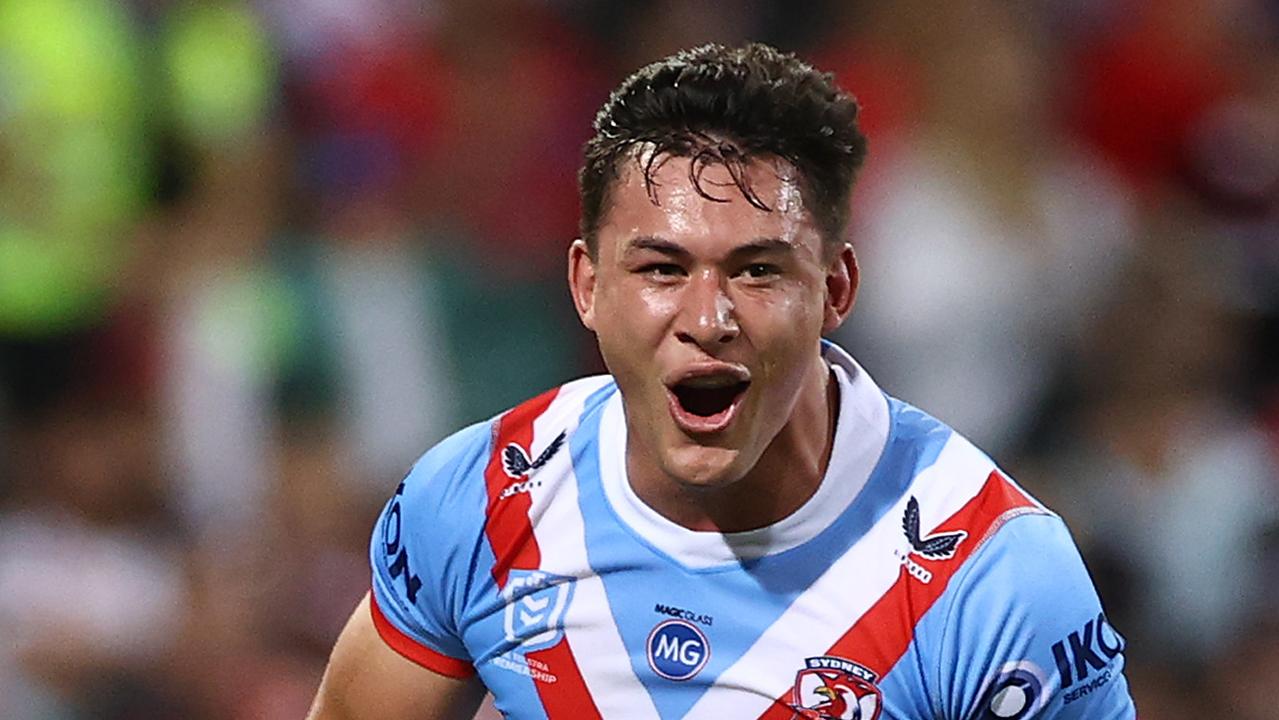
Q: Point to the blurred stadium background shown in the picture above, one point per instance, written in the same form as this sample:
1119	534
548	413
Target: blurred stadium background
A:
256	255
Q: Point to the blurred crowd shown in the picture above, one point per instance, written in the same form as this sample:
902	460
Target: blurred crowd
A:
257	255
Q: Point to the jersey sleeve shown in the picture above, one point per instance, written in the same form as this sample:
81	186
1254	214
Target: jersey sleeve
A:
422	550
1025	634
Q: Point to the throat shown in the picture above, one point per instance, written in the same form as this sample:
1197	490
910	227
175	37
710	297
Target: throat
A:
757	500
785	477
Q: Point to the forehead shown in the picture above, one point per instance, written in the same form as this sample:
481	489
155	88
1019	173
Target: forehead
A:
674	209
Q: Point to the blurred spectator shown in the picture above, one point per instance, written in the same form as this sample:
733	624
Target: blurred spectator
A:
91	581
518	89
1246	679
226	314
74	170
73	175
1149	75
1170	483
986	243
649	31
875	51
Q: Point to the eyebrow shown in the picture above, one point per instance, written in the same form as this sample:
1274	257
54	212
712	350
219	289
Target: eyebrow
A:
674	249
657	244
763	245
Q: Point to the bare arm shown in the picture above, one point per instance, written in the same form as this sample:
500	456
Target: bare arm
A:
366	678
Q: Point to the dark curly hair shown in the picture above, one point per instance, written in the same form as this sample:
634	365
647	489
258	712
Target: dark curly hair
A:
721	105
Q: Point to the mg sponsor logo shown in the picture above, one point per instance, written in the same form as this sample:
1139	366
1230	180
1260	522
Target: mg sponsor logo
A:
677	650
535	605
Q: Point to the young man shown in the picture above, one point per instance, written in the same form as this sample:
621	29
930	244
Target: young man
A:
737	523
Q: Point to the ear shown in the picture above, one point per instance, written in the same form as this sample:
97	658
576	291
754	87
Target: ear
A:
842	277
581	282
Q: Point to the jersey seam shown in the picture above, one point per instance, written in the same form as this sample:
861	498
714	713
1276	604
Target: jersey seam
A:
473	561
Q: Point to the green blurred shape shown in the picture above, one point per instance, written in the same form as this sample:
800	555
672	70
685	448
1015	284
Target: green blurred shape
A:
246	321
221	71
73	159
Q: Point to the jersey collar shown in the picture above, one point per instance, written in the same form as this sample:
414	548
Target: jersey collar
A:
860	436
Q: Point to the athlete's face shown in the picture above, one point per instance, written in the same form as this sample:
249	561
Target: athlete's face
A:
709	314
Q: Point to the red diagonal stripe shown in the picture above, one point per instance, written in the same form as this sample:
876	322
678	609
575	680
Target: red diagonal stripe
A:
507	525
510	534
567	697
880	637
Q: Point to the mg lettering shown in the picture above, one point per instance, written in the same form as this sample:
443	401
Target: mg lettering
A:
688	652
677	650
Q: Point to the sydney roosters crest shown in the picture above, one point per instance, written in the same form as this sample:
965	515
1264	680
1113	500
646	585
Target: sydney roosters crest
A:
832	688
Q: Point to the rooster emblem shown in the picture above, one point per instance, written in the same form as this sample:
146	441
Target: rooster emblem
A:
516	461
939	546
831	694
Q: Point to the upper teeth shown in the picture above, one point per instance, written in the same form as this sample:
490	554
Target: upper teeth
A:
710	381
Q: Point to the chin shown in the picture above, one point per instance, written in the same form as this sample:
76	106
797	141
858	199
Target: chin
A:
700	466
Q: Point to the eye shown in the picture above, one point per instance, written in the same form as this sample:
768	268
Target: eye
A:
662	270
761	271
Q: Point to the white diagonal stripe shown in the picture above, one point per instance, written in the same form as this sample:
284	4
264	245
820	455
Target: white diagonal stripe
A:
853	583
561	538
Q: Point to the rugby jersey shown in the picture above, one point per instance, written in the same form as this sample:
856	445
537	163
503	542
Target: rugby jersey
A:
919	581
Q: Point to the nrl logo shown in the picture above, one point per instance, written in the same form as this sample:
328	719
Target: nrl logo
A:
517	463
535	602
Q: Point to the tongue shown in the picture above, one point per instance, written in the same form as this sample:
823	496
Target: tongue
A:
706	402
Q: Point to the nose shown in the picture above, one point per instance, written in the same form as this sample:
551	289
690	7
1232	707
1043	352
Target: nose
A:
707	318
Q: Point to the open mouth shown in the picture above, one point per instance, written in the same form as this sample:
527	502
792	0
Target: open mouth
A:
707	403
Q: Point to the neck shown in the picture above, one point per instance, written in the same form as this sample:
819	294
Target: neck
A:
786	475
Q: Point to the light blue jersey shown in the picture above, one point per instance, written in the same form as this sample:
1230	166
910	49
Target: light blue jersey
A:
918	582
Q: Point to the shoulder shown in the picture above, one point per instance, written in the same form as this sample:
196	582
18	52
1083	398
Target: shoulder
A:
1024	615
1029	560
1003	525
1005	529
954	476
972	524
1018	603
1017	613
451	490
464	505
490	446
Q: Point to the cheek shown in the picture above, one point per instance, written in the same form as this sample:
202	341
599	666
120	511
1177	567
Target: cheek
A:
631	322
657	304
781	317
781	335
637	312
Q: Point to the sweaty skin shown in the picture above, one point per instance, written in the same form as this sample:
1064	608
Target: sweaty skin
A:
724	312
691	286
